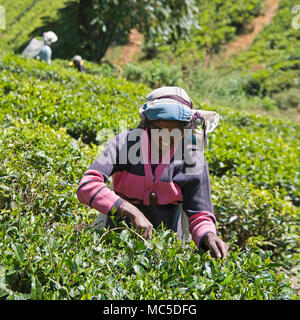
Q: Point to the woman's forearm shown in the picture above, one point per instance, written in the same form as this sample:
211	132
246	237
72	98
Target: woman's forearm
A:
199	225
93	191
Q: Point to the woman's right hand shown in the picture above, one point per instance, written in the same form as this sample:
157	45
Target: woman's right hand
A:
137	218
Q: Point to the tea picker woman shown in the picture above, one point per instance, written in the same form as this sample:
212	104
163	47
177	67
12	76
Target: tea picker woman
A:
45	54
154	176
77	62
41	49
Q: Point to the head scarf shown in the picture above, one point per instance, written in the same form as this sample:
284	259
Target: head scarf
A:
76	59
166	109
49	37
173	103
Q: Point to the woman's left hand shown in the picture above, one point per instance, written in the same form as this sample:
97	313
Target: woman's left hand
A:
217	247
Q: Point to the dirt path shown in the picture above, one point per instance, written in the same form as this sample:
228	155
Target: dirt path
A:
244	41
129	51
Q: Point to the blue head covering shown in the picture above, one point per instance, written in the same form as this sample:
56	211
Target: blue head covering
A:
173	103
168	103
167	109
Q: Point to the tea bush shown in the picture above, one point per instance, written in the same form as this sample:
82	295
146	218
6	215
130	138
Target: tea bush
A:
244	212
260	149
100	99
24	17
40	168
58	261
276	49
154	74
288	99
222	21
48	250
219	23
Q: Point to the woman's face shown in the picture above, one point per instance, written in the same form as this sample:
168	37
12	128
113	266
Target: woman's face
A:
169	125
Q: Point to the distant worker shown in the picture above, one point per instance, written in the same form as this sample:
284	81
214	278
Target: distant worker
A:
45	54
41	48
77	62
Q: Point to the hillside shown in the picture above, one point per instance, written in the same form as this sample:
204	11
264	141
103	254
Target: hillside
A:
29	18
256	68
55	121
33	102
26	19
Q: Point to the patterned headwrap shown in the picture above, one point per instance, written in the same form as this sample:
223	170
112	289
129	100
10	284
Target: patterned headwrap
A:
49	37
173	103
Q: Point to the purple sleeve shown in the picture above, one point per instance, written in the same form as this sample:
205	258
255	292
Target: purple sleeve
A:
92	189
198	207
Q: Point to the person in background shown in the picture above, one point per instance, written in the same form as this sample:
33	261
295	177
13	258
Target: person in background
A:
77	62
45	54
147	193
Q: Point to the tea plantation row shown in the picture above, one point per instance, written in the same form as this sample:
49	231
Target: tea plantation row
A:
89	104
49	252
275	54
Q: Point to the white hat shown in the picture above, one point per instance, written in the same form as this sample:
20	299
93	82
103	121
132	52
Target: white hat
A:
50	37
77	58
170	92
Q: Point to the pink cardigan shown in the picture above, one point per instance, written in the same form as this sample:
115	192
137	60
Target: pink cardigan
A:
135	182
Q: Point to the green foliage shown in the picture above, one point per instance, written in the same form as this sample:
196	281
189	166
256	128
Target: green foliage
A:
272	83
88	27
56	261
243	212
222	20
103	102
288	99
264	77
224	87
101	21
276	50
215	84
219	21
40	169
154	74
48	253
23	17
85	28
259	149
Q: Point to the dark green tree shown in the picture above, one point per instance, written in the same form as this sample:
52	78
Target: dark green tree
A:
102	21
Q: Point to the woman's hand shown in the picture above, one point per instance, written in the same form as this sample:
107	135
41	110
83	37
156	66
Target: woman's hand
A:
137	218
217	247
